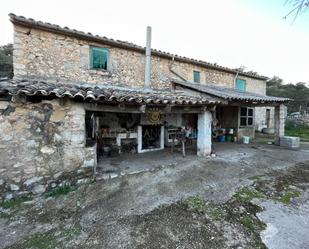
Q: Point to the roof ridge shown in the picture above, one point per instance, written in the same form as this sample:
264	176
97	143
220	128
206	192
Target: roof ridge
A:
73	32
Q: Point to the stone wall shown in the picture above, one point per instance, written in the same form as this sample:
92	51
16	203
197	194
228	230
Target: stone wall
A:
261	119
45	55
174	119
280	114
42	145
245	131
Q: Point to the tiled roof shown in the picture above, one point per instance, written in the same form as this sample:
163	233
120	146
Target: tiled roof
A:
101	93
29	22
230	94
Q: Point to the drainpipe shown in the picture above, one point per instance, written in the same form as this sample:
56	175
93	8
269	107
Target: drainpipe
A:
173	71
148	59
235	79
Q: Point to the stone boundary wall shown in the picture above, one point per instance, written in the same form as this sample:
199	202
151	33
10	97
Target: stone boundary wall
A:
45	55
42	145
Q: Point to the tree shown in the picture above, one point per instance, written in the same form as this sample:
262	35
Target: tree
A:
299	93
274	82
299	6
6	61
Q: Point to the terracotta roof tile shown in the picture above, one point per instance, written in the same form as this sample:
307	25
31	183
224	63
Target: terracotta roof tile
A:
101	93
229	93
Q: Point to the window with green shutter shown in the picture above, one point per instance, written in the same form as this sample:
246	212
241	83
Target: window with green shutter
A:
241	85
196	76
99	58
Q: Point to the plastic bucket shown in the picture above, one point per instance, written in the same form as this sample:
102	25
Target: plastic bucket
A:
221	138
245	139
229	138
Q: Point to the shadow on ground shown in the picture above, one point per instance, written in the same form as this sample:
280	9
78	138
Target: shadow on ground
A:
196	203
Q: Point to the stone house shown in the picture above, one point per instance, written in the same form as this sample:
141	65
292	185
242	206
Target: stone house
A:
76	97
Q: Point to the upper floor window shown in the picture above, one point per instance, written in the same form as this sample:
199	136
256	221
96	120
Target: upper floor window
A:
99	58
246	116
241	85
196	76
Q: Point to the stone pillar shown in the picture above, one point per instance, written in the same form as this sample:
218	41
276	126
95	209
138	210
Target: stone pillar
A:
162	138
204	134
139	139
279	122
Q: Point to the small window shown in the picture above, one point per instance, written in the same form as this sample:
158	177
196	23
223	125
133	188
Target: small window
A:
240	85
246	116
99	58
243	121
243	111
196	76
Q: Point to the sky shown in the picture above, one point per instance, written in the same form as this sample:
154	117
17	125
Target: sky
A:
231	33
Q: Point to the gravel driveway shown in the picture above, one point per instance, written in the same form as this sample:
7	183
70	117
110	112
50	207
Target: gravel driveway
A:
151	209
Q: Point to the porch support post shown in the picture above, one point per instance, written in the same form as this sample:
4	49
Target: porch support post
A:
279	122
162	138
139	139
204	133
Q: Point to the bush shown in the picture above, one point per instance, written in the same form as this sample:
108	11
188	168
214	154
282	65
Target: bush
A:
15	202
61	190
297	131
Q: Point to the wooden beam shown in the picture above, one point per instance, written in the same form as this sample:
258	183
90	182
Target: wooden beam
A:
139	109
111	108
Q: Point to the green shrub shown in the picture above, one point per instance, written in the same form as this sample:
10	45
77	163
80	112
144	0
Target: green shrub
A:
61	190
298	131
246	194
248	222
287	197
196	204
15	202
55	238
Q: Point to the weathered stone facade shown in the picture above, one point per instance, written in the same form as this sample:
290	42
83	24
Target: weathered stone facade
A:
261	118
280	114
41	145
43	142
45	55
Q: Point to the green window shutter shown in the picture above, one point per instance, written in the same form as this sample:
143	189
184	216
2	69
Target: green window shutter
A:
196	76
99	58
241	85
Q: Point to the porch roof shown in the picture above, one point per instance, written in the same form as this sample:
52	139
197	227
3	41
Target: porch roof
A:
230	94
105	92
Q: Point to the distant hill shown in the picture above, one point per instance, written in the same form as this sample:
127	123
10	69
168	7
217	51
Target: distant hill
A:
298	92
6	61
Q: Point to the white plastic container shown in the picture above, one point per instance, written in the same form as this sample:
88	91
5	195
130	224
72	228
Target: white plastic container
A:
246	140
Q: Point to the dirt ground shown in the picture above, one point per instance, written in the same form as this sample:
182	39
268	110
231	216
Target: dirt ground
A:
249	196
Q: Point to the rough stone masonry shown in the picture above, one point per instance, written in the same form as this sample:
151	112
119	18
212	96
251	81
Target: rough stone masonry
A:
42	143
48	144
